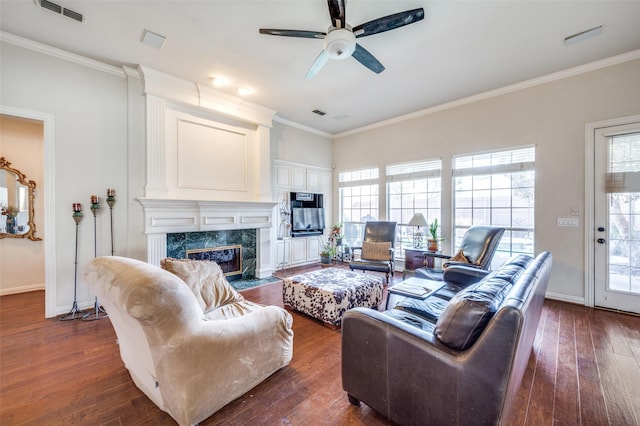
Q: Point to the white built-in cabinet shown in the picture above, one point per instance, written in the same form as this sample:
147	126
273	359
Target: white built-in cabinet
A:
295	177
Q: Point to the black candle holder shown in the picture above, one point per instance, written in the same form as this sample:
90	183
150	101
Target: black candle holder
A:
75	312
111	200
98	311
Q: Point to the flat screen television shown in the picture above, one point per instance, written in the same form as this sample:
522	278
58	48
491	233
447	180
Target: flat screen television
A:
307	221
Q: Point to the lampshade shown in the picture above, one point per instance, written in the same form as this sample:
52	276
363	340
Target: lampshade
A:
418	220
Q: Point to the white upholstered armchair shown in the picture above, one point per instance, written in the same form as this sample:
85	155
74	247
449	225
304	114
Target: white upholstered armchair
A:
191	343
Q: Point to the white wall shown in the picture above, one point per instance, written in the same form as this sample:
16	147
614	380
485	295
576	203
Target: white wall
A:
551	116
301	146
90	115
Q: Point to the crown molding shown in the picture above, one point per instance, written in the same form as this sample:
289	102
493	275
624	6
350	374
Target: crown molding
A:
290	123
570	72
60	54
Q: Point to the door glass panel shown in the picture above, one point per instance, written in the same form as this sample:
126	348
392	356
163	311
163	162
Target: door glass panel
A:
624	214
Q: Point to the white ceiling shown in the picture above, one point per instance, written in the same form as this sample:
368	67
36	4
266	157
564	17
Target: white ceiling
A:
460	49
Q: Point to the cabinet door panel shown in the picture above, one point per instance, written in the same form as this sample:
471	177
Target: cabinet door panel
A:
313	249
298	250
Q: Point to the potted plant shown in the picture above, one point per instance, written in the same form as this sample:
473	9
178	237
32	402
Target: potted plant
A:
433	239
327	253
336	233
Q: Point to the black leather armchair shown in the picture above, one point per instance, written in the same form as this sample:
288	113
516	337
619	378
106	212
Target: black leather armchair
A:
378	248
478	246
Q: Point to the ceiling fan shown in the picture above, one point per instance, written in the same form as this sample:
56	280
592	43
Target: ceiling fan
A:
340	38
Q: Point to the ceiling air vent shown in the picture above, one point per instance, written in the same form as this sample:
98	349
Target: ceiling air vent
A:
54	7
317	111
72	14
51	6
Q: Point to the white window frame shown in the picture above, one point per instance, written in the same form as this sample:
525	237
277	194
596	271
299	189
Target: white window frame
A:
369	177
494	164
426	170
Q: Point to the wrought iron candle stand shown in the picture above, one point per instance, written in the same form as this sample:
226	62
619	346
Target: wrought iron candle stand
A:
98	311
111	200
75	312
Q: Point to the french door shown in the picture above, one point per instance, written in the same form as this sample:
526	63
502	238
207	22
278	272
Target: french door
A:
617	217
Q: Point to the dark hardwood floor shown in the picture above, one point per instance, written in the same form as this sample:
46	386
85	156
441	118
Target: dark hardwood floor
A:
584	370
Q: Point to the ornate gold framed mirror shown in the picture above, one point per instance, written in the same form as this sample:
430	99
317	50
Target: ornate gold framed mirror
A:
17	196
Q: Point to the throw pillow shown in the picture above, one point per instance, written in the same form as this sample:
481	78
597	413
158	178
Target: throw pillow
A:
375	251
206	280
458	257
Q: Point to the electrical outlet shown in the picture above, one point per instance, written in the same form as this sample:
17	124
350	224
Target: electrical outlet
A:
574	211
568	222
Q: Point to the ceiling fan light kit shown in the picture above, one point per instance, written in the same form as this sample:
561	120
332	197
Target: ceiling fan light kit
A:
340	43
340	39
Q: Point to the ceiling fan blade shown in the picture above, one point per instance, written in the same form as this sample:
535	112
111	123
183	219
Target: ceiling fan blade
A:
389	22
363	56
293	33
337	12
317	65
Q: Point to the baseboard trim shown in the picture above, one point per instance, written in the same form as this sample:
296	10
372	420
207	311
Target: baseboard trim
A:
23	289
565	298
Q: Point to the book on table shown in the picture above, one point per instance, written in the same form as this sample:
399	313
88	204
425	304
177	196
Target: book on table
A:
416	287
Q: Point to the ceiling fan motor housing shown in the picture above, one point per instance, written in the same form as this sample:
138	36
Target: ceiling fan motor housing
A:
340	43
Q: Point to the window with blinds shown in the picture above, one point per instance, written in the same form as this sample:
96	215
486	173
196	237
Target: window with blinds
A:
624	163
413	188
497	189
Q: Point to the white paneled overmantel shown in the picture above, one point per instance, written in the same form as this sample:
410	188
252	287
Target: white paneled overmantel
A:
203	143
164	216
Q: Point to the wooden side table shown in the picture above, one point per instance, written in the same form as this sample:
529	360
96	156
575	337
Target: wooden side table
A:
415	258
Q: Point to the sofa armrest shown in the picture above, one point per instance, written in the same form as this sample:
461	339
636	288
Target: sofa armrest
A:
463	275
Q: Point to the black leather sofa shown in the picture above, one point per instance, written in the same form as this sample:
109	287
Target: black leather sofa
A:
456	358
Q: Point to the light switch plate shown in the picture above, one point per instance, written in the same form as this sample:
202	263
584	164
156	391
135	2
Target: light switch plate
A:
570	222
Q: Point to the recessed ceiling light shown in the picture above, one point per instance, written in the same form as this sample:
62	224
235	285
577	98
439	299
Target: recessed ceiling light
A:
244	91
575	38
219	81
153	39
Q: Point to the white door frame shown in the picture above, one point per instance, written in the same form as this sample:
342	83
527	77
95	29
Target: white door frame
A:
48	191
589	213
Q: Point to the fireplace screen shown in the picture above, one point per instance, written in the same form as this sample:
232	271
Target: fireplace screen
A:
228	257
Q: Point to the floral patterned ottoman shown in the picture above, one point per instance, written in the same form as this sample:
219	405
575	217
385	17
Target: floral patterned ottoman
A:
326	294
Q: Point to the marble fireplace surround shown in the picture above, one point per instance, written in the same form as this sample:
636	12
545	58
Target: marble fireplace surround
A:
163	216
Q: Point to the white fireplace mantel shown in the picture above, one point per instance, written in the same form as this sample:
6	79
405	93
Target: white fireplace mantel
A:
163	216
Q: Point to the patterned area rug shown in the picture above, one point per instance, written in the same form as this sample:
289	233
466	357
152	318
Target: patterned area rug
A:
246	284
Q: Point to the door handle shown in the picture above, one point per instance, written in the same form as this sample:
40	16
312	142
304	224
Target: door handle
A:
601	240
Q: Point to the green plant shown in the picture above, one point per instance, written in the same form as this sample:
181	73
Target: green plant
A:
336	230
433	229
328	250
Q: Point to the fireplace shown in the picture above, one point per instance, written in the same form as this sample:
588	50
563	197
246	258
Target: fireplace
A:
175	226
229	258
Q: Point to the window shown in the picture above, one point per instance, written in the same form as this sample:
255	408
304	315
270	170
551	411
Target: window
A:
497	189
359	201
412	188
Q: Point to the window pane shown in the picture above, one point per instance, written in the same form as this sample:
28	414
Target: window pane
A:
504	198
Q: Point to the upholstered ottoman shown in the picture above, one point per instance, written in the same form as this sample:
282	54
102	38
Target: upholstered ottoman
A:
326	294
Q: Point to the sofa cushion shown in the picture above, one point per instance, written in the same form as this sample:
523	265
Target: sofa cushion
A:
206	280
469	311
429	309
